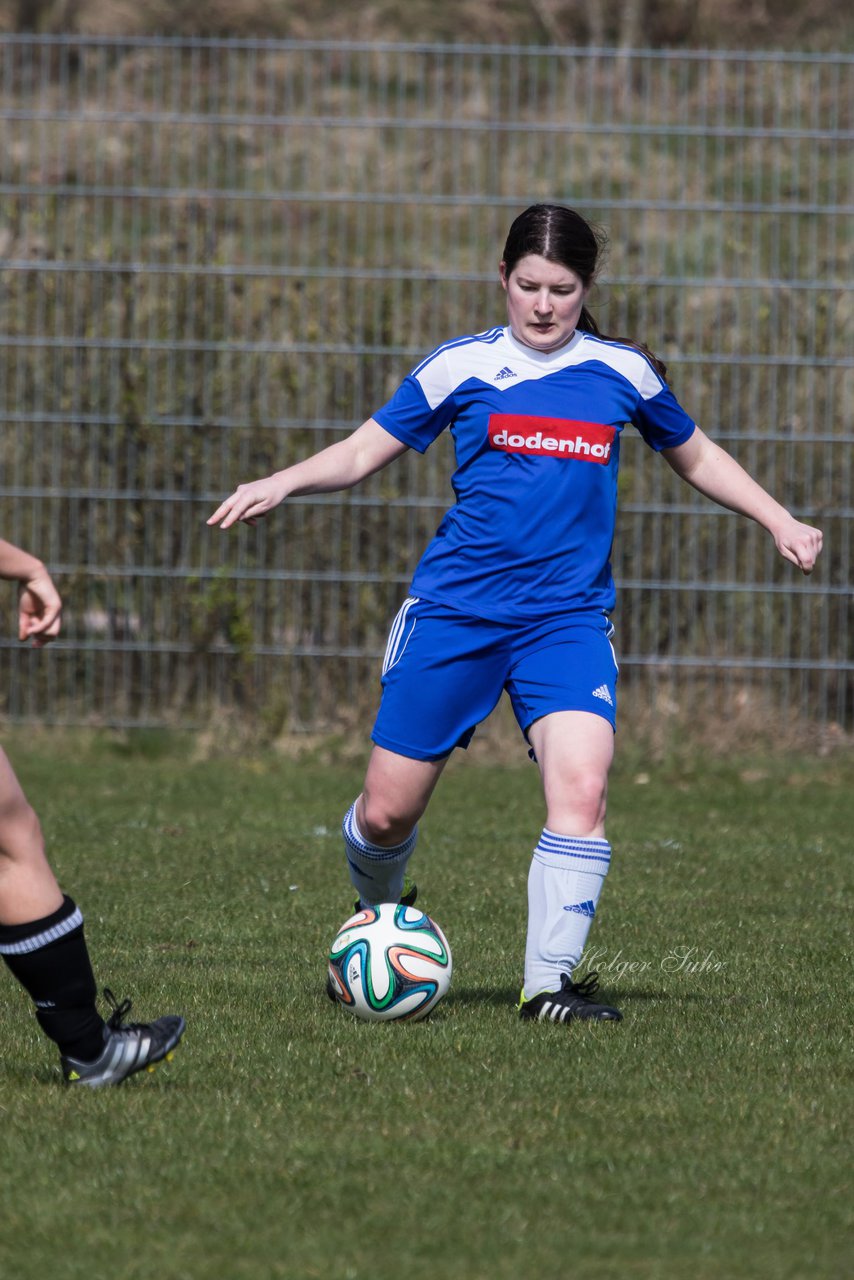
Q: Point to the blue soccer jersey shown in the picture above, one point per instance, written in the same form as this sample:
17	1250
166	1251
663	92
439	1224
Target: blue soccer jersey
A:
537	439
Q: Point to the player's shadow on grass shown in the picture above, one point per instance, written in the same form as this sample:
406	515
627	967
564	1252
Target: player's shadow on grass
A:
641	993
18	1074
474	996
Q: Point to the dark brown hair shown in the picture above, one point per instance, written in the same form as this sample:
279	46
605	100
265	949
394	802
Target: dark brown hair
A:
559	234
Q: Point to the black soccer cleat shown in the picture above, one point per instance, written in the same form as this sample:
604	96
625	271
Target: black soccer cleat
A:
129	1048
573	1001
406	899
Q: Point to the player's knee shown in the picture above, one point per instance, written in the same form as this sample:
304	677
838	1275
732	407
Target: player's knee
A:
579	803
20	829
382	822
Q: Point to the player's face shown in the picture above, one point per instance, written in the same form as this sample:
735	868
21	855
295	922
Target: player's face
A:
544	301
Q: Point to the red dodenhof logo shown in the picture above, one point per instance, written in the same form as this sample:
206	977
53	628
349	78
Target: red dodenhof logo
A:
551	437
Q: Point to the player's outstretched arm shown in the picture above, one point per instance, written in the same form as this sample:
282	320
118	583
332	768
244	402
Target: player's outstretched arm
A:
716	474
39	603
342	465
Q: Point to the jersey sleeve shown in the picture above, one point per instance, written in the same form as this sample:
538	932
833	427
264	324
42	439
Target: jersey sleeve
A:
660	418
422	407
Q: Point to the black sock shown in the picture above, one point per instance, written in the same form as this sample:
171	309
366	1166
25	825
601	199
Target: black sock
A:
50	960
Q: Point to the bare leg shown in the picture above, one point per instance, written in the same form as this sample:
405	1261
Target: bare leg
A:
396	792
28	887
574	750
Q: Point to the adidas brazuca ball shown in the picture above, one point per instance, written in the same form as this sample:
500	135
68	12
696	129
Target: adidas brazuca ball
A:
389	962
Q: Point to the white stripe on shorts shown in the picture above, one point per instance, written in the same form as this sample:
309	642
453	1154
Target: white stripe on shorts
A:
396	641
609	636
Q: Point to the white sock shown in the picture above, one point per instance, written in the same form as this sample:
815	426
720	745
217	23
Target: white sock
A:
377	873
564	884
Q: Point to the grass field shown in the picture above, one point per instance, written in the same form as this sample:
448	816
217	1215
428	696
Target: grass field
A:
707	1136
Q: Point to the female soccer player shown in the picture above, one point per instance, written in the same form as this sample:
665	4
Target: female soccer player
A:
41	929
515	590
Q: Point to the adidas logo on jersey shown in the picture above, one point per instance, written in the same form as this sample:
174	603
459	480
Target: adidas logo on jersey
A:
587	908
604	693
503	374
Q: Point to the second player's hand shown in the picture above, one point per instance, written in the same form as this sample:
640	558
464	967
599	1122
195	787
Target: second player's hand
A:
39	610
249	502
800	543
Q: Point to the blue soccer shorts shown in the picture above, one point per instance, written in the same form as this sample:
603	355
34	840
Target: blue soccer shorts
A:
444	672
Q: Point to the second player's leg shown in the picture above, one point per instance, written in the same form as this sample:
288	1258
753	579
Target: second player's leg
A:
43	945
28	887
41	930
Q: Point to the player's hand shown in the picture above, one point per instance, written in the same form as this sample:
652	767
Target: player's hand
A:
250	502
800	543
39	609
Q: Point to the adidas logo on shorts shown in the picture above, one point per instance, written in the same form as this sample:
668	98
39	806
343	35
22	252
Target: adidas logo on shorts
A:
604	693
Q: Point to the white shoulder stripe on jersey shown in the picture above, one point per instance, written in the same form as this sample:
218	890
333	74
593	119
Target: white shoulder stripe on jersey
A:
478	357
628	361
488	336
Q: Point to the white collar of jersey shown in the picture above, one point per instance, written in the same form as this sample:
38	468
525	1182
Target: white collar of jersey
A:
544	357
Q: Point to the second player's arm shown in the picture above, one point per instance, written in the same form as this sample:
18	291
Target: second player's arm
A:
716	474
340	466
39	603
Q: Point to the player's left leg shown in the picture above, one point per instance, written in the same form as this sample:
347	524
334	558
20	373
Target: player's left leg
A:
574	750
563	688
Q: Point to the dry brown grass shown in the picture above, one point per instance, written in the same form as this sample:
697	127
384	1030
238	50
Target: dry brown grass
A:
757	24
297	690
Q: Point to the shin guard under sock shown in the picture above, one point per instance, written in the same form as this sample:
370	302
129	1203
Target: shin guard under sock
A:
50	959
377	873
564	882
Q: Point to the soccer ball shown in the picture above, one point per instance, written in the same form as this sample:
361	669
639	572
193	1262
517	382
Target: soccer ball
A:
389	962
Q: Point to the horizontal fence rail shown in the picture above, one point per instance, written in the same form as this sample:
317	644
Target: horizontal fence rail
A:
220	255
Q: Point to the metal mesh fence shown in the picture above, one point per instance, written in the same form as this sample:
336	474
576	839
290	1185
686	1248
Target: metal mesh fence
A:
220	255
